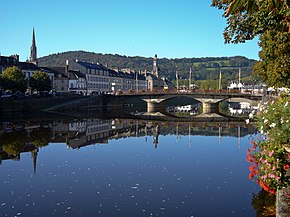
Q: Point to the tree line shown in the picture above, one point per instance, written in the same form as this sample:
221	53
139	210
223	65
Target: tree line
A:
206	68
13	80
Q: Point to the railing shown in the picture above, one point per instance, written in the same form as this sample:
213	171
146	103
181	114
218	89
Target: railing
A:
181	92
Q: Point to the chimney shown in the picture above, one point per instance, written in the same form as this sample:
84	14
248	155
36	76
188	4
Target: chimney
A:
66	67
16	57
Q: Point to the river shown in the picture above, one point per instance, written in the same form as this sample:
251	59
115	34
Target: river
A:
125	167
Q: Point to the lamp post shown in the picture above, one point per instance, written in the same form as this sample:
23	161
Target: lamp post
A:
189	85
239	84
177	85
137	90
220	80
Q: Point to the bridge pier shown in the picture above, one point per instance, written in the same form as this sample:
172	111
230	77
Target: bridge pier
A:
210	107
152	106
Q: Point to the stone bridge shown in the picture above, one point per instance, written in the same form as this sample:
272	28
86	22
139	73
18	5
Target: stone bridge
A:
209	100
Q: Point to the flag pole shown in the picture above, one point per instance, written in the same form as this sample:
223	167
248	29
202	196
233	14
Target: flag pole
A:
220	80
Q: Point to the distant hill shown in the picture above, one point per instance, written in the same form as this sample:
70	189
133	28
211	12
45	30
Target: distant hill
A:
206	68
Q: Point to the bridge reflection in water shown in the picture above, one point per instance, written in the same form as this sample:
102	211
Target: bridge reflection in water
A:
30	135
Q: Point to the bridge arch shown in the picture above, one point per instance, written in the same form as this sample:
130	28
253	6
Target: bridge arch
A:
210	101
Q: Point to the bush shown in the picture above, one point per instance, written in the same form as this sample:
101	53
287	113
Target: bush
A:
269	155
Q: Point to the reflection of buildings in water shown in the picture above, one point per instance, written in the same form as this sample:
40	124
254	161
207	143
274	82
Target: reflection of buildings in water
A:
81	133
88	132
20	137
79	126
6	127
9	127
238	108
155	136
59	131
192	109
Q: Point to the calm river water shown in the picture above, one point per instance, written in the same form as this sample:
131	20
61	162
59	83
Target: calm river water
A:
117	167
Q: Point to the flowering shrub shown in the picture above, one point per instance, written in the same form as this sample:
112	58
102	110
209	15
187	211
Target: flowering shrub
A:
269	165
269	156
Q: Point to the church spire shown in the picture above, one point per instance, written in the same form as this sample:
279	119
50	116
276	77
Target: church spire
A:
33	50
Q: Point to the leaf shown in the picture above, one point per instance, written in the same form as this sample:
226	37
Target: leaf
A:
233	7
251	6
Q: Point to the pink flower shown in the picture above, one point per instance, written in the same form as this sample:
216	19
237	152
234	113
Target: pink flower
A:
271	175
277	178
271	153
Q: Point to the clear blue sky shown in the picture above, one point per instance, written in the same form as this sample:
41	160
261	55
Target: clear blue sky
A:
168	28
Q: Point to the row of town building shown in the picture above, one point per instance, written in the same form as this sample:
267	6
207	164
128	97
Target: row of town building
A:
88	78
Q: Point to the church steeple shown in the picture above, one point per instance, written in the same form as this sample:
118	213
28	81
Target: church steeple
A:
33	50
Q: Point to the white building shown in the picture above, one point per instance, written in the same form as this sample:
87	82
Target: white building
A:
97	76
77	83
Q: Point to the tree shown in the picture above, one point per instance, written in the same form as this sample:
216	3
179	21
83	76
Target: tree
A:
268	19
13	79
40	81
274	66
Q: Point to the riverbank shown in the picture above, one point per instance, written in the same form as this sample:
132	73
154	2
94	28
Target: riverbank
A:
35	104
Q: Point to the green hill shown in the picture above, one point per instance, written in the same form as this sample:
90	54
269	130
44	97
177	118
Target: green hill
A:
206	68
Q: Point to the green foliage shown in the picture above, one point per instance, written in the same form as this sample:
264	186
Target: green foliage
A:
274	119
211	84
274	66
40	81
208	84
41	142
13	79
249	18
202	68
15	142
14	148
268	19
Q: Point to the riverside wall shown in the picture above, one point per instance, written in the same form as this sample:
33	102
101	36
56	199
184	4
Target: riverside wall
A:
34	104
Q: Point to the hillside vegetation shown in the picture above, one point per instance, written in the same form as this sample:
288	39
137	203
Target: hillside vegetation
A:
206	68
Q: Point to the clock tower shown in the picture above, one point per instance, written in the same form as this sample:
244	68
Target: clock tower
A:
155	66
